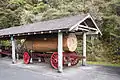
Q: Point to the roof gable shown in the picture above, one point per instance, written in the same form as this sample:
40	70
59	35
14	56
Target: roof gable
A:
86	23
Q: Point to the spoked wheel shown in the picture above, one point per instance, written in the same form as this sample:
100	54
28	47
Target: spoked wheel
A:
73	59
26	57
54	60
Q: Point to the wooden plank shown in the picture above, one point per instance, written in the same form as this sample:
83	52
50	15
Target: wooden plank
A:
72	28
84	49
13	50
83	29
60	51
95	24
86	27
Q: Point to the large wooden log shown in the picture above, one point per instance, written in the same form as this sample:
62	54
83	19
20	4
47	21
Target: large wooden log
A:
51	44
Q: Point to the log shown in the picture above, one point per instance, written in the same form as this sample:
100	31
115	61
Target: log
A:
51	44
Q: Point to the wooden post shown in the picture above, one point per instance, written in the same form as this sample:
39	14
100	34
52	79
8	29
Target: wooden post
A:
17	56
13	50
0	49
0	55
60	51
84	49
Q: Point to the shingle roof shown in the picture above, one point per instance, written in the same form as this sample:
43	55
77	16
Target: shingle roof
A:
56	24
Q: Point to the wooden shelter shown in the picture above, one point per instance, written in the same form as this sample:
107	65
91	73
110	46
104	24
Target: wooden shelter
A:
83	23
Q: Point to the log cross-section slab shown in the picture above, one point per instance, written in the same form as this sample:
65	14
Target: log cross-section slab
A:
60	51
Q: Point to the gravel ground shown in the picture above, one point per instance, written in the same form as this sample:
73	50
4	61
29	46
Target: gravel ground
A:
44	71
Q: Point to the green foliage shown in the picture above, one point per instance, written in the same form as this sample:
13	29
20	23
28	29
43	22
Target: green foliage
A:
9	18
53	14
18	2
26	17
39	8
103	63
5	43
79	46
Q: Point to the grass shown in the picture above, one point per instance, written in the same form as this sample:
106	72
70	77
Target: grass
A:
103	63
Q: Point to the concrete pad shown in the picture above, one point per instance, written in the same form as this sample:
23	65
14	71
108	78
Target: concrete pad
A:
89	72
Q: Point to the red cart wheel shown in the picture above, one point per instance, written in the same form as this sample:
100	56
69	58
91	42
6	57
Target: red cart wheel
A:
74	59
54	60
26	58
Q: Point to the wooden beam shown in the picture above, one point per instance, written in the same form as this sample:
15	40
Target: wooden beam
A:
13	50
83	29
18	34
41	32
59	30
86	24
95	23
78	23
35	33
60	52
86	27
28	33
84	49
92	33
50	31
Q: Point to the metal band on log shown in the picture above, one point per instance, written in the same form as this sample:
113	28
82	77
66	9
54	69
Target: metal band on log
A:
50	44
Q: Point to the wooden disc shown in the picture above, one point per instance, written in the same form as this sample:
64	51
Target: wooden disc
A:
72	42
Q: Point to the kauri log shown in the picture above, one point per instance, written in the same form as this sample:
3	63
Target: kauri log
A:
50	44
